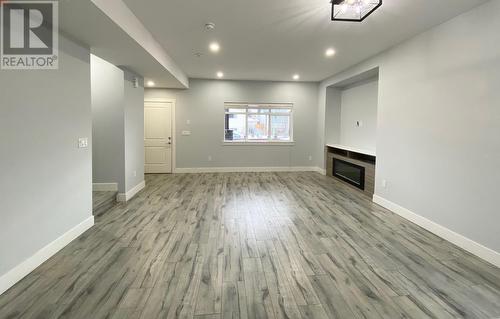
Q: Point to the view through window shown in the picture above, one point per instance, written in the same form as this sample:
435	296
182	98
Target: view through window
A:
258	122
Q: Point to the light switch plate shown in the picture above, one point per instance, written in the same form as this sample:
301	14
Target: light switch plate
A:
83	142
185	133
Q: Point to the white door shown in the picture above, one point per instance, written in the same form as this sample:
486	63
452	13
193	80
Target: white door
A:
158	137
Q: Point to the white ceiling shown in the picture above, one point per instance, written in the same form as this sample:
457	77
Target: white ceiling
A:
273	39
108	39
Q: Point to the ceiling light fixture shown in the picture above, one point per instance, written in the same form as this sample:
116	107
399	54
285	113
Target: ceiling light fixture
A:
330	52
220	74
296	77
150	83
353	10
214	47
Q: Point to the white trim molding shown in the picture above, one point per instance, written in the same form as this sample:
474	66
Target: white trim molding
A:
247	169
125	197
320	170
461	241
22	270
264	143
105	187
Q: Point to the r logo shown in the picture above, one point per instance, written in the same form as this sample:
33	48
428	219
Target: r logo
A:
29	34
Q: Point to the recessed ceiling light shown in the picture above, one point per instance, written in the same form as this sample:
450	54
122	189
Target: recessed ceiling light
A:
214	47
330	52
220	74
296	76
150	83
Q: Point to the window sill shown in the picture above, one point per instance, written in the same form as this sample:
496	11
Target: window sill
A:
264	143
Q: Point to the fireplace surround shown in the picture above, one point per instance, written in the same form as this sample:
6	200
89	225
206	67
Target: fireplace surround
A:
353	167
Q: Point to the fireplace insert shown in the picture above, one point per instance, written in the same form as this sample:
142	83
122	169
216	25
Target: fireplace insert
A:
349	173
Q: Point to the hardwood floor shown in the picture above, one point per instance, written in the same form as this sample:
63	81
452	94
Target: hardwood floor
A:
255	245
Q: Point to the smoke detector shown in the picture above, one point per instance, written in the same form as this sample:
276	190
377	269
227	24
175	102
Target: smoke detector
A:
209	26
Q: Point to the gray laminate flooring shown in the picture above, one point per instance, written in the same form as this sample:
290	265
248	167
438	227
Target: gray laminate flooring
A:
102	201
255	245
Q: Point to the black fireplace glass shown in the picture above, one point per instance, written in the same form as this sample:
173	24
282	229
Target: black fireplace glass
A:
349	172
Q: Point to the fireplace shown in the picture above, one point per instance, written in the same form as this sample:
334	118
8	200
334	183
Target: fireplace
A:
349	173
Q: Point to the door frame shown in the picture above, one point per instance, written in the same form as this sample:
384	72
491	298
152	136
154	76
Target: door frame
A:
172	119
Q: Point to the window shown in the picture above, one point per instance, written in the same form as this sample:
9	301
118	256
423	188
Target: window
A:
258	122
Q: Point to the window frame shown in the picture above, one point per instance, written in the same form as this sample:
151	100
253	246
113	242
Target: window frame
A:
270	106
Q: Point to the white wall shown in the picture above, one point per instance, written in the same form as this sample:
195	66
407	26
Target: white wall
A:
134	130
203	105
118	125
108	123
439	124
359	103
46	180
333	105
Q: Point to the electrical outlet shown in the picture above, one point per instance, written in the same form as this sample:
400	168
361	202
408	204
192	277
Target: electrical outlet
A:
384	183
310	158
188	122
209	158
135	173
83	142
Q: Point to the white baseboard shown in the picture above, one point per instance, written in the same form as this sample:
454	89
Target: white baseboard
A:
125	197
322	171
463	242
247	169
20	271
105	187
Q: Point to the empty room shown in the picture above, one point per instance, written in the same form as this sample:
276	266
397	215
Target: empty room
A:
330	159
